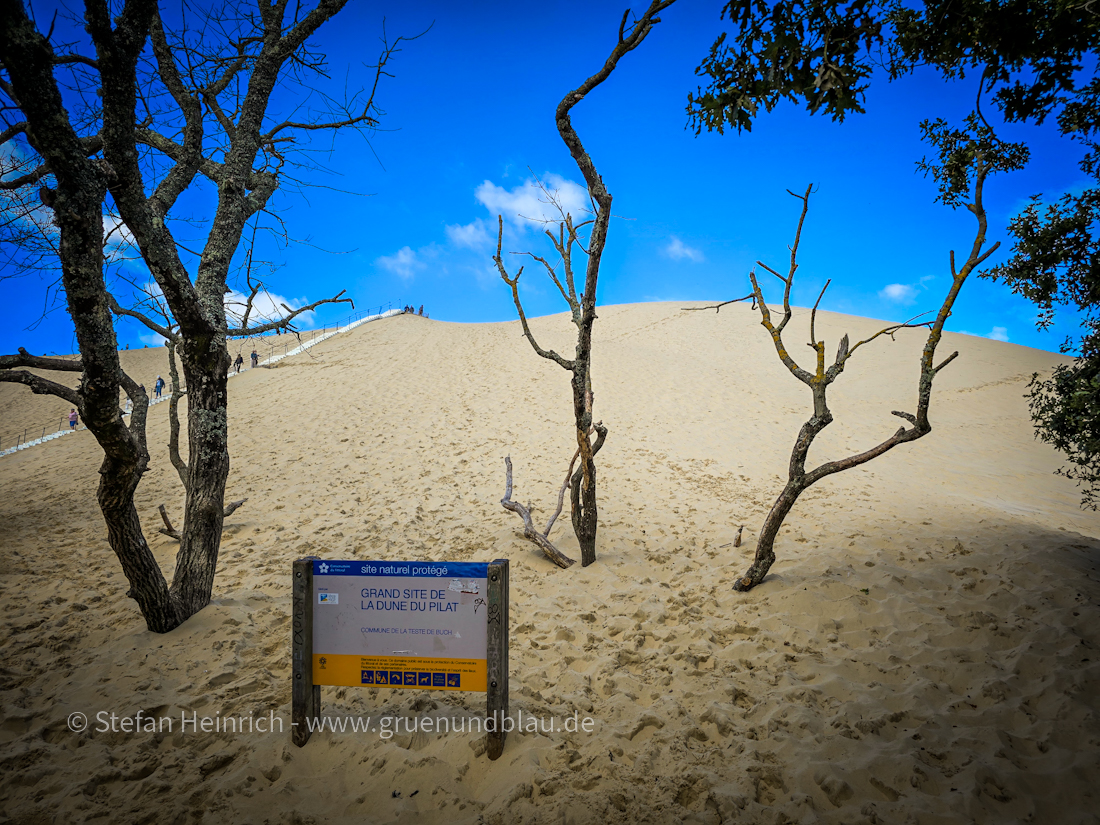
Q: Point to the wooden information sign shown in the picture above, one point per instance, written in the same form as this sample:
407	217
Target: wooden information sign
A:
390	624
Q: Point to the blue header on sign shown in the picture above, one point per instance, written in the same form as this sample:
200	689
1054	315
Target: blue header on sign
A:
411	569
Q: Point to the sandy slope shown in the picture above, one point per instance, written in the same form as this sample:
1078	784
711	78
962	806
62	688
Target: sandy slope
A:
21	412
926	649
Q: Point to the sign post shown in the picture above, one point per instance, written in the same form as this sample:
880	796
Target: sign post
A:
425	625
305	695
497	655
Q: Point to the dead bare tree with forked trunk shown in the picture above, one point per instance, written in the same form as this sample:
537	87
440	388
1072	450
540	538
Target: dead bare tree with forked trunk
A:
966	160
582	305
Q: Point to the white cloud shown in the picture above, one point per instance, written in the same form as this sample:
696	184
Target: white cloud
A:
473	235
404	264
26	209
151	339
995	334
119	243
527	204
898	294
116	231
677	250
266	307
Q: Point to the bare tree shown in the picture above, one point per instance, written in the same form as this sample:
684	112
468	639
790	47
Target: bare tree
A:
582	306
966	160
204	116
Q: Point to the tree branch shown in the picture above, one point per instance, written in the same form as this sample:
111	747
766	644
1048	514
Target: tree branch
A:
641	28
777	334
182	470
813	313
13	130
63	59
550	355
39	362
560	559
118	309
284	322
187	165
718	307
37	384
90	146
571	300
42	386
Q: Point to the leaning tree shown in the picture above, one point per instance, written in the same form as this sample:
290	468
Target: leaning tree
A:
966	158
151	113
582	304
1031	60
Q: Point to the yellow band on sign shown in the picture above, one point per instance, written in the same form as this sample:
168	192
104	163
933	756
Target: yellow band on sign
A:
398	671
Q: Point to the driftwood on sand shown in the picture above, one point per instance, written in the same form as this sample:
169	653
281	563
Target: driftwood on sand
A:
529	529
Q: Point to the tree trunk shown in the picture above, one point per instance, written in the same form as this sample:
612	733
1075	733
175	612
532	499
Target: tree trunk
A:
765	555
583	502
174	417
206	374
147	585
582	496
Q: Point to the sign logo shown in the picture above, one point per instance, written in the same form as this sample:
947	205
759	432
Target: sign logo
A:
328	598
324	567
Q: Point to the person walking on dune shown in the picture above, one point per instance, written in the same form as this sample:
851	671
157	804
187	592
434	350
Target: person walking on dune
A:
157	387
255	359
72	418
239	362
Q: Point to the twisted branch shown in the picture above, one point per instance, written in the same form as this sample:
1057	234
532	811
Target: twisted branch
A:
560	559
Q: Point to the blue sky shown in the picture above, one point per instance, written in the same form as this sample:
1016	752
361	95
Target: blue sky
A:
469	120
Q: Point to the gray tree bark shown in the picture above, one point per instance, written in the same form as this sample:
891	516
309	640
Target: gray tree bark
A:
583	502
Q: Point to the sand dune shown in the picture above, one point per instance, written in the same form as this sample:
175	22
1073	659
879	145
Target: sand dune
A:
925	650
